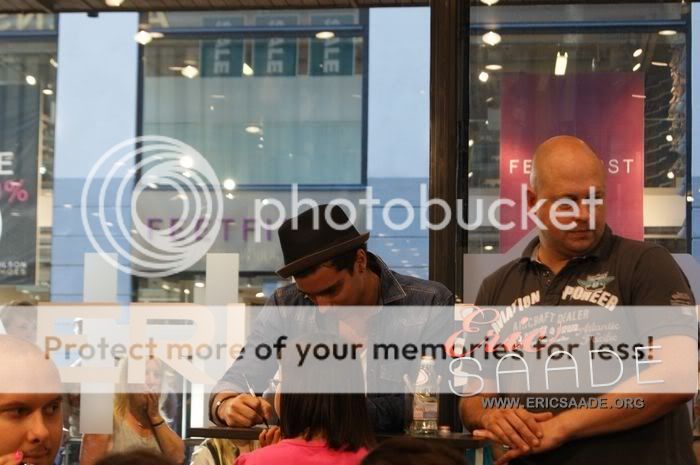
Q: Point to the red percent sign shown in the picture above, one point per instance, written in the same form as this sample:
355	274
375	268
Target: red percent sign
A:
15	191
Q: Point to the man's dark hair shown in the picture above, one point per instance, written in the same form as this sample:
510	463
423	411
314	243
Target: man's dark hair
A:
413	451
344	261
135	457
325	398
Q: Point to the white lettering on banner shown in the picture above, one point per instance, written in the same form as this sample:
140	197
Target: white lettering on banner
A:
222	52
6	161
331	62
275	65
614	166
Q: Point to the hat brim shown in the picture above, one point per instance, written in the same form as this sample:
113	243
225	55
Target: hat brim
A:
321	256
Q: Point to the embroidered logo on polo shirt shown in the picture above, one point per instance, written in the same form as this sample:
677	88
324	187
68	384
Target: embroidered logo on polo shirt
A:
596	281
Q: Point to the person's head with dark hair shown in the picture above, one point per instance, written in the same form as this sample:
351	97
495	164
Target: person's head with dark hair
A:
328	258
135	457
413	451
19	319
31	423
324	399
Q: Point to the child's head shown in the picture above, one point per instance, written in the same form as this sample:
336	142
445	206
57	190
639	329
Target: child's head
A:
324	397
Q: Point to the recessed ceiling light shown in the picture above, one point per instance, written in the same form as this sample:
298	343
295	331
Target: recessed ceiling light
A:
247	70
31	80
253	129
668	32
637	52
483	76
636	67
190	72
491	38
229	184
325	35
143	37
493	67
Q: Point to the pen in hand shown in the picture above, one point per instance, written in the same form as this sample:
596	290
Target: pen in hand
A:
252	393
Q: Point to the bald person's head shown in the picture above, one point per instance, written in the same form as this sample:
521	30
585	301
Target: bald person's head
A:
25	368
568	183
563	156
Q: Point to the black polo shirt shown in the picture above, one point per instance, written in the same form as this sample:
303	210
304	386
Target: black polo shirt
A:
618	272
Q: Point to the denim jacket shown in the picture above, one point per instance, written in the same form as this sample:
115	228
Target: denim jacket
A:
278	317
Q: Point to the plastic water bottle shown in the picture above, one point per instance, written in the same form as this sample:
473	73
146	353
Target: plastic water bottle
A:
425	399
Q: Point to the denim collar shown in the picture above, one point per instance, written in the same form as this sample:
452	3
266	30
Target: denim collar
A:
390	289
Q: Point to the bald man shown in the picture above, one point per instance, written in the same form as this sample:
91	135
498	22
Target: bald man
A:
576	260
30	404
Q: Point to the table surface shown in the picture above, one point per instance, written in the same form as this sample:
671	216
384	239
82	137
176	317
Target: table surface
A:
457	440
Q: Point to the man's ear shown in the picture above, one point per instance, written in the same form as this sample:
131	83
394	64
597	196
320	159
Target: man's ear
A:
361	260
531	198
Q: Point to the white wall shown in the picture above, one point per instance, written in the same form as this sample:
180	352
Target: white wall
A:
399	91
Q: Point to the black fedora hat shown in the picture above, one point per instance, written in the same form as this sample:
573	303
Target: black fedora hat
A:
311	239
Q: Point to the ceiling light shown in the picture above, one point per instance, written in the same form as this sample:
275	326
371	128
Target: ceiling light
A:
689	198
325	35
659	63
31	80
670	175
488	248
260	295
114	3
471	173
669	138
639	96
494	67
175	68
199	284
42	170
560	64
165	287
143	37
53	62
229	184
636	67
483	76
190	72
247	70
489	2
153	185
260	146
491	38
471	142
253	129
157	35
668	32
637	52
230	196
186	161
186	291
47	91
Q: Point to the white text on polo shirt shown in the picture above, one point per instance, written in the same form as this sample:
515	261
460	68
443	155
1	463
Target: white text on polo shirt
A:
599	297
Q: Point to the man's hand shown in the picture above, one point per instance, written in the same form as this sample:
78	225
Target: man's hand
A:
244	411
516	428
269	436
553	436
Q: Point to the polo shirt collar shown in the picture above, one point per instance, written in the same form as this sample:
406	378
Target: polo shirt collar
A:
390	289
600	250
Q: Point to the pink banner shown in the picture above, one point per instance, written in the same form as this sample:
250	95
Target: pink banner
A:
604	109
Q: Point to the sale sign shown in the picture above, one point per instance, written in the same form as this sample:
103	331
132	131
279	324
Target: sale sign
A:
19	146
606	110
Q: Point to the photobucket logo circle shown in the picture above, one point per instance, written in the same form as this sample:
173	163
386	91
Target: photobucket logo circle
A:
169	170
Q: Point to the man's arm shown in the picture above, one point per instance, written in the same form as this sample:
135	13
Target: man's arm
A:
586	422
227	403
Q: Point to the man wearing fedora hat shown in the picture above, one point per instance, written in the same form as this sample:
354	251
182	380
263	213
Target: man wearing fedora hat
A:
331	267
